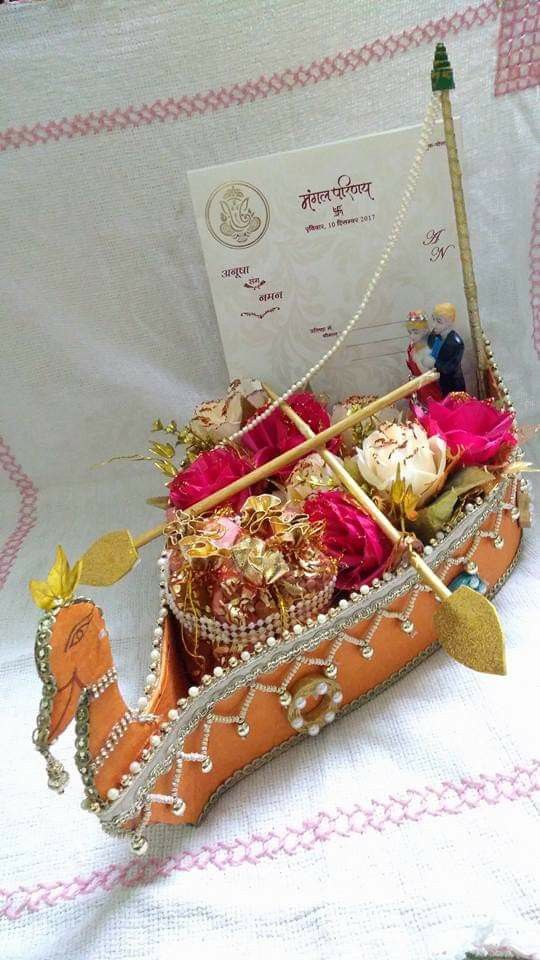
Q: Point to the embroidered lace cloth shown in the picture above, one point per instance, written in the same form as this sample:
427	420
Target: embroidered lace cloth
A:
409	829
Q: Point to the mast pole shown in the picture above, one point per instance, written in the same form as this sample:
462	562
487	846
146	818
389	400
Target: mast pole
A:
442	80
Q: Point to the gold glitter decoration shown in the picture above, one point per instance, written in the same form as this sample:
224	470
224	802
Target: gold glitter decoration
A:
109	559
470	631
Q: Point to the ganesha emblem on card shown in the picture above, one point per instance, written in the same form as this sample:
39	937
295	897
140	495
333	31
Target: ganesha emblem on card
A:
237	214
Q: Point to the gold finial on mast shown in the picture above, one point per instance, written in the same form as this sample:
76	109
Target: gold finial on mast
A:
442	80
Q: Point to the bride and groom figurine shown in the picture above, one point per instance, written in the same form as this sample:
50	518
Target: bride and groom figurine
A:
440	348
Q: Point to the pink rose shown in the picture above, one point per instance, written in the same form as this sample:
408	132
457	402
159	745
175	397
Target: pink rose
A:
277	434
473	427
350	536
211	471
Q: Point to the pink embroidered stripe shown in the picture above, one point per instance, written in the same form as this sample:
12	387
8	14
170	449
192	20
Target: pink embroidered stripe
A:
534	269
27	516
414	806
518	49
186	107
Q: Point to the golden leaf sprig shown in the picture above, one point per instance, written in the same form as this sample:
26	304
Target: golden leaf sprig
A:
402	496
399	502
60	585
160	454
185	437
164	453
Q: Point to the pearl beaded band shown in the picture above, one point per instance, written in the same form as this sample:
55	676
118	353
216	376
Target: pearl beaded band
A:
410	187
237	637
99	687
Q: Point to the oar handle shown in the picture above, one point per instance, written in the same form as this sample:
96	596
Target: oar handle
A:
150	535
429	576
360	495
315	441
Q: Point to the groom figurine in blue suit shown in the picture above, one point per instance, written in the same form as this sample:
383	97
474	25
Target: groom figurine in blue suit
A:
447	348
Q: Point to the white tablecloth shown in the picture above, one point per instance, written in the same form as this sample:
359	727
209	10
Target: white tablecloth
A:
409	829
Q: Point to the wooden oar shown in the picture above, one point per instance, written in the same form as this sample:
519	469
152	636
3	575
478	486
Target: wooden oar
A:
467	624
112	556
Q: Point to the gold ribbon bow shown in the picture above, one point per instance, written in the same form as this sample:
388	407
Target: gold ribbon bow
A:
300	530
199	547
260	510
268	509
180	526
258	564
195	537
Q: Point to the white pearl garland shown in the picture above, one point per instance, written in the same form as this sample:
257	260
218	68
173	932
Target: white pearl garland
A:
406	197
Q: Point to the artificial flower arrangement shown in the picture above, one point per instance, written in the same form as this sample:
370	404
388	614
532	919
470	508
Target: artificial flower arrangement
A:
313	552
282	551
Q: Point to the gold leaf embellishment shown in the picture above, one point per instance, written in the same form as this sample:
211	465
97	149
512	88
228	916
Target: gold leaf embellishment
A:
60	584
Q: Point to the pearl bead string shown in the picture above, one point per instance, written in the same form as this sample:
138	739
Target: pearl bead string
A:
408	193
96	689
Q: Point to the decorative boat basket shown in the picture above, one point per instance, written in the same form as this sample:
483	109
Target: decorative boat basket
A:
170	757
256	644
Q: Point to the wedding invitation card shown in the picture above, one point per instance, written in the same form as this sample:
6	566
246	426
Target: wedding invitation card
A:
291	240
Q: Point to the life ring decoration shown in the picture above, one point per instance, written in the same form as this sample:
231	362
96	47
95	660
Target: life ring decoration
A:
328	695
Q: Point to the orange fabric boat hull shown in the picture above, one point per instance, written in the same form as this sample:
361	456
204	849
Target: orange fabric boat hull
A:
149	765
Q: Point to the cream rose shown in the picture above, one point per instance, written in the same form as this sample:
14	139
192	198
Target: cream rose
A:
421	459
216	420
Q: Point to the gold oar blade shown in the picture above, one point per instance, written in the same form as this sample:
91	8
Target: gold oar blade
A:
470	631
109	559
